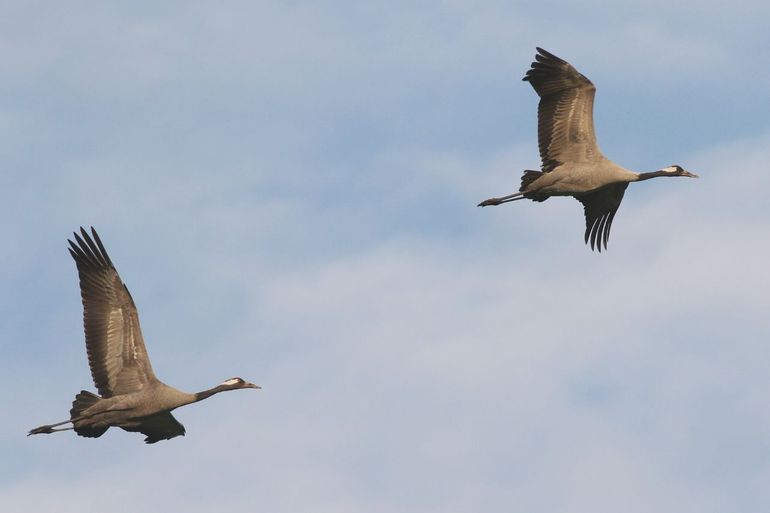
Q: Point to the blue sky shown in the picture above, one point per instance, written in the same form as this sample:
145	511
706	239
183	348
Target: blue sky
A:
289	191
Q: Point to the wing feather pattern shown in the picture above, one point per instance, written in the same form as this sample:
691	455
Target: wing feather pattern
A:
600	208
565	122
116	353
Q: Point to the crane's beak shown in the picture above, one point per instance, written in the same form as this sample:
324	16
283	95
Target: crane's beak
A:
251	385
691	175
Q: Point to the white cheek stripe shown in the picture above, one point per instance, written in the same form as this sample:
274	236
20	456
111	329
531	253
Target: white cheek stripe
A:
230	382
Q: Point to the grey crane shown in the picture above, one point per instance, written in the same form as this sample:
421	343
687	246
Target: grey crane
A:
130	396
572	164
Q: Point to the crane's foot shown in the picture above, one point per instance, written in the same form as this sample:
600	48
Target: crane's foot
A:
41	430
490	202
49	428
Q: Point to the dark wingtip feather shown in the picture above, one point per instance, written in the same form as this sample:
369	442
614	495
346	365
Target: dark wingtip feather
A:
600	233
596	232
87	252
547	54
84	256
607	228
101	247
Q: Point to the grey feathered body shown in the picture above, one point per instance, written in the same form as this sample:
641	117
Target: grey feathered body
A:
579	178
129	409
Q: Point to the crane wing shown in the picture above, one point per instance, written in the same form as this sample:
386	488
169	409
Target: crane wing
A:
116	353
157	427
600	208
565	120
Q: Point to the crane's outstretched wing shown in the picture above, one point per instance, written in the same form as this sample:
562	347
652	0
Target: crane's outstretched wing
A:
116	353
600	208
157	427
565	119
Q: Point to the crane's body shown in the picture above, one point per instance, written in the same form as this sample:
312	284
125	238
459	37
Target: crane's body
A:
122	410
578	178
130	396
572	164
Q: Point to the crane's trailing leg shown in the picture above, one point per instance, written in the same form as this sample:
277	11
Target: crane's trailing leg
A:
82	401
505	199
49	428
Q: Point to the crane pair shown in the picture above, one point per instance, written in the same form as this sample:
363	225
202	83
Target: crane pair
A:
133	398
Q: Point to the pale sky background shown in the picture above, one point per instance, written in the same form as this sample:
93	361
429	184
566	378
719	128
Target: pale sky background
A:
289	191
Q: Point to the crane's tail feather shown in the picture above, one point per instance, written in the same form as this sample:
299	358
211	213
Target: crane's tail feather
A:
528	177
82	402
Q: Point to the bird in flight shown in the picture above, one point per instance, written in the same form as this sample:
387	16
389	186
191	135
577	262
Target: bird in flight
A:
130	396
572	164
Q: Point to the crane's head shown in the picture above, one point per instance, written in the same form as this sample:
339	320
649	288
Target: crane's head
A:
677	170
236	383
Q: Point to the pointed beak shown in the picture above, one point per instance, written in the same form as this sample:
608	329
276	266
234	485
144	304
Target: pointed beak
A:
691	175
251	385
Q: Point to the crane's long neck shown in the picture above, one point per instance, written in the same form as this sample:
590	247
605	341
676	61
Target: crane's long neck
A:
199	396
653	174
230	384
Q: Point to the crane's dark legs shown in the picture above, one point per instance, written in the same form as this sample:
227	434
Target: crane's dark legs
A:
49	428
504	199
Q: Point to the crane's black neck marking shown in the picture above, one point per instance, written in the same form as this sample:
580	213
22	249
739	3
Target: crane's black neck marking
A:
653	174
199	396
230	384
